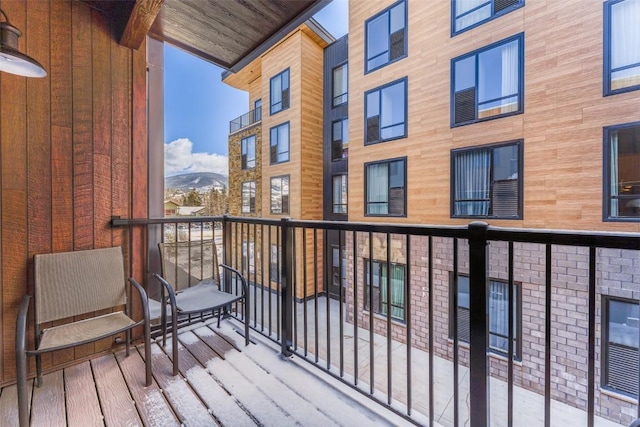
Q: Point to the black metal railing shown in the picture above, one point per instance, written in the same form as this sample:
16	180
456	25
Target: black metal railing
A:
247	119
380	314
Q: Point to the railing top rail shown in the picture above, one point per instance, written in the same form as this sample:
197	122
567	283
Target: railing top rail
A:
600	239
124	222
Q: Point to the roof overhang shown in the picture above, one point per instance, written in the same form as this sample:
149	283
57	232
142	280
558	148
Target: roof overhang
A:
228	33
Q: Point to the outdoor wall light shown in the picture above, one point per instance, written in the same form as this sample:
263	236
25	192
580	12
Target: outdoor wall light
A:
11	60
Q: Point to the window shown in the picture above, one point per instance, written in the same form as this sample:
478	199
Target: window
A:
248	256
622	174
488	83
470	13
385	192
257	110
248	152
279	92
280	195
339	266
249	197
340	139
380	291
386	37
498	311
340	84
279	145
486	181
386	112
620	342
275	261
621	47
340	194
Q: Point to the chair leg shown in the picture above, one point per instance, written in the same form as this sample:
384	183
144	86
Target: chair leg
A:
21	363
127	338
23	391
247	322
147	352
174	342
38	370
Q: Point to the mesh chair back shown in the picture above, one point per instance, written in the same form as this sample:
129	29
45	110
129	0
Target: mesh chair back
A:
184	264
73	283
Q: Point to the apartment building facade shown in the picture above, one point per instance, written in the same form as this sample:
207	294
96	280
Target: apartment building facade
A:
275	150
519	114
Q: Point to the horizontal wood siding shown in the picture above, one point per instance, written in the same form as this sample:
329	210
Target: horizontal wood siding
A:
564	111
66	150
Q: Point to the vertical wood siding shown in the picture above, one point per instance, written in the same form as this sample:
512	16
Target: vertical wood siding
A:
73	148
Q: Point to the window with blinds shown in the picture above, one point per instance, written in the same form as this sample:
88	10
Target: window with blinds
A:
488	83
620	345
498	297
468	14
386	36
486	181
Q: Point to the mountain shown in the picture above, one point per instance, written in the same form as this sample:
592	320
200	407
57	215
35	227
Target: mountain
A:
197	180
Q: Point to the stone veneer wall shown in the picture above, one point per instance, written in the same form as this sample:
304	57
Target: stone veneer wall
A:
237	175
249	264
618	274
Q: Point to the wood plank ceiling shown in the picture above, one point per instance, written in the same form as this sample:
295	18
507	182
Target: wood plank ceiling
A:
229	33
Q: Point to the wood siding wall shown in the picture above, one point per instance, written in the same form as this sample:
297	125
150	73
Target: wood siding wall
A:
73	151
562	124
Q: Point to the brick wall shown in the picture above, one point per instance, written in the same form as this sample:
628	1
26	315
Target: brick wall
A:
617	274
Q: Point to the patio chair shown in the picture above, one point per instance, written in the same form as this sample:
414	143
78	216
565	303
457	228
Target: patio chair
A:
192	285
71	284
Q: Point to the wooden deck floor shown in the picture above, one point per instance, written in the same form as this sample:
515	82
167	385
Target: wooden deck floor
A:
221	382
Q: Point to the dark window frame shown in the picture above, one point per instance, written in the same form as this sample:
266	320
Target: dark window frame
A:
257	110
244	156
517	308
379	89
366	278
511	8
271	146
452	186
366	194
338	145
275	275
606	181
283	105
605	350
366	36
475	54
341	95
251	207
344	203
606	73
285	203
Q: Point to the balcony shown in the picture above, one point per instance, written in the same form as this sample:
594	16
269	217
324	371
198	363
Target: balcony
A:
245	120
406	351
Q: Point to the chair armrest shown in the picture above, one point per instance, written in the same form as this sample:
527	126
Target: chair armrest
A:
143	297
243	281
21	326
170	292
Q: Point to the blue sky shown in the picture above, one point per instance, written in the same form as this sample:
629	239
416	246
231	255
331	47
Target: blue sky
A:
198	106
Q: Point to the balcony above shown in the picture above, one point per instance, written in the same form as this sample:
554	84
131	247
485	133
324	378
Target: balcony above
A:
245	120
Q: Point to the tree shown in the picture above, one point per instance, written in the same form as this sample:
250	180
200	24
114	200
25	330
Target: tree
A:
192	198
216	202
